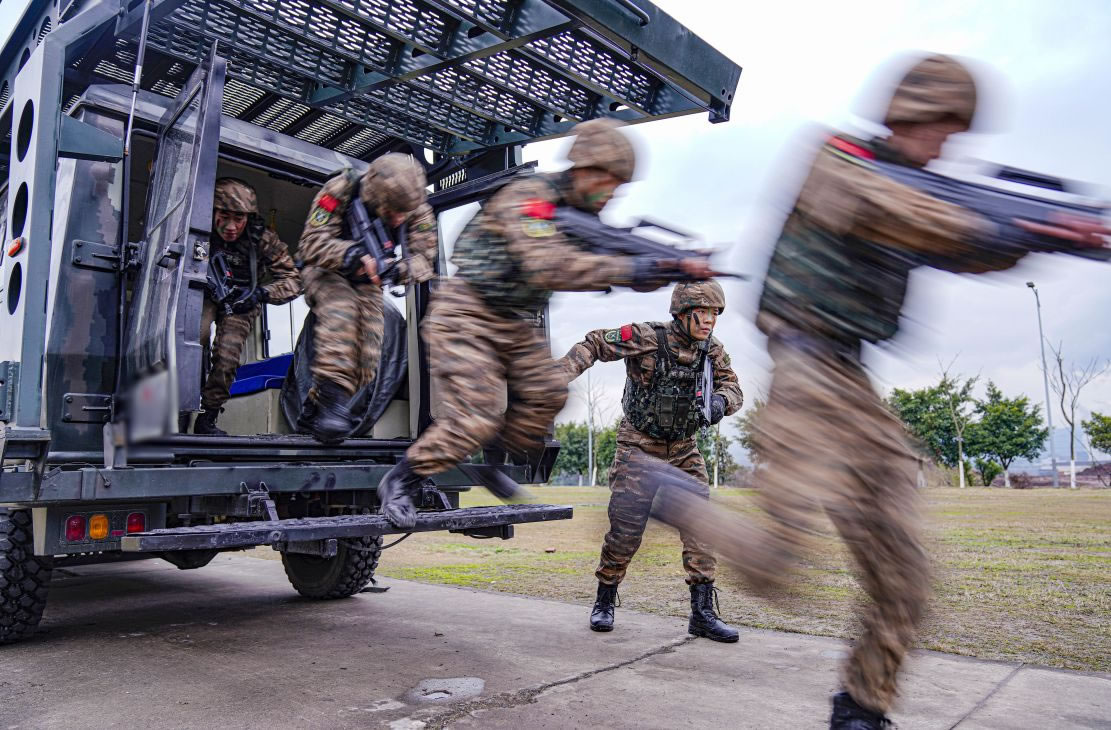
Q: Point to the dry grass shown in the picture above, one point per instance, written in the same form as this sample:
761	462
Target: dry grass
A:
1020	575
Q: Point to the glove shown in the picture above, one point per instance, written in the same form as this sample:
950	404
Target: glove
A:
244	303
352	266
647	274
717	408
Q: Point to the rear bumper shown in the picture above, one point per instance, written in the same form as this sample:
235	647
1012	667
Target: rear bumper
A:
279	533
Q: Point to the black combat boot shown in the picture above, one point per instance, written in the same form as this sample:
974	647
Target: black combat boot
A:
848	715
704	621
396	495
328	417
205	425
494	479
601	618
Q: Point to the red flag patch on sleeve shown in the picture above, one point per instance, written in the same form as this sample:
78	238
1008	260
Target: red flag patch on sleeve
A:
537	208
626	333
328	203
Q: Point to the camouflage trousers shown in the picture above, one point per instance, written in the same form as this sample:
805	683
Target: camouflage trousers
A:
631	503
827	442
232	331
349	327
491	375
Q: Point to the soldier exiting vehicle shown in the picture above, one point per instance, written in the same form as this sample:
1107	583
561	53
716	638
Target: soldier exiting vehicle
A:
663	392
342	286
480	330
253	253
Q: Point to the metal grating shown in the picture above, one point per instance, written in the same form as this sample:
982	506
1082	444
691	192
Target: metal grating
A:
447	75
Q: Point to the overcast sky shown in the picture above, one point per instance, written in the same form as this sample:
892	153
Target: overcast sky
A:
807	64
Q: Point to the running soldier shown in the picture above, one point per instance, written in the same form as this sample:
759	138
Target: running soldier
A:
342	287
664	366
253	253
480	331
838	278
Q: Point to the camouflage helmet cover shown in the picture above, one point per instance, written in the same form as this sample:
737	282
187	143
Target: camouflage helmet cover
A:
235	196
935	88
394	181
599	143
691	294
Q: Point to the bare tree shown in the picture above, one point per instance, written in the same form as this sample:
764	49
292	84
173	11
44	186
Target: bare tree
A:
597	413
958	396
1067	383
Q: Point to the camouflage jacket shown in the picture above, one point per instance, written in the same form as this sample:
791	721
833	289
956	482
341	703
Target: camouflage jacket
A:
638	346
326	239
276	272
514	257
841	264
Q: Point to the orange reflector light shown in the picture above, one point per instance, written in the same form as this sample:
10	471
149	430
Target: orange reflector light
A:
16	247
98	527
75	528
136	522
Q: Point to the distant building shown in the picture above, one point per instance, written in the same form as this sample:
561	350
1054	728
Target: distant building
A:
1043	465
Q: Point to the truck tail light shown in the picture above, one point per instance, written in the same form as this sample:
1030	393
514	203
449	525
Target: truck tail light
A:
98	527
75	528
136	522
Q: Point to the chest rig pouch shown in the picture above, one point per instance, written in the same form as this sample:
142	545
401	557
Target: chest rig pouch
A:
666	407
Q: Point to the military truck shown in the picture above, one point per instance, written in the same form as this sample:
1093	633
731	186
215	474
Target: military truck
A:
119	115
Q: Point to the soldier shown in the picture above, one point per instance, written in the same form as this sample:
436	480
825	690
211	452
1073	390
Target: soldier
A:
838	278
253	253
342	286
480	327
664	363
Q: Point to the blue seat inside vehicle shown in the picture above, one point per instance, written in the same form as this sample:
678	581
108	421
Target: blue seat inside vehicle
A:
266	374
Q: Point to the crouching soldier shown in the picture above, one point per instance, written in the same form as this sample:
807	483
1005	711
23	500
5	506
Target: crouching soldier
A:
342	287
253	254
663	391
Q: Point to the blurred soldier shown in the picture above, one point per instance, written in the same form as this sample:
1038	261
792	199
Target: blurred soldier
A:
253	253
480	329
342	286
663	390
838	278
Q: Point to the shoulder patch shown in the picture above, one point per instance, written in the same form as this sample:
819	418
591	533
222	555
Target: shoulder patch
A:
537	208
319	216
626	333
538	228
850	151
328	203
612	336
422	227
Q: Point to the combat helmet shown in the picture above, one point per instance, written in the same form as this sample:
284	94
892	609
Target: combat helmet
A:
598	143
691	294
235	196
394	181
935	88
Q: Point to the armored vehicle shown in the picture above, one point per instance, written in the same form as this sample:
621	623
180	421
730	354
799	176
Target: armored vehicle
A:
118	116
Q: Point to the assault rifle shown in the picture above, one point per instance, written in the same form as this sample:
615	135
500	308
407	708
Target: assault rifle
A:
1002	206
372	234
218	282
611	240
704	388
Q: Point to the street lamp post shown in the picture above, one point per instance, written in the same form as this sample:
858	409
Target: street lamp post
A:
1045	378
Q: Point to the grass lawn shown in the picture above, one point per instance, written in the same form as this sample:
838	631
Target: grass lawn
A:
1020	575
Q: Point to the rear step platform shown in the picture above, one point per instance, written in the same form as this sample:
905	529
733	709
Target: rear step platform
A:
280	532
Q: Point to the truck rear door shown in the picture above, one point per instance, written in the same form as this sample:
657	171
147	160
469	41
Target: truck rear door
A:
162	368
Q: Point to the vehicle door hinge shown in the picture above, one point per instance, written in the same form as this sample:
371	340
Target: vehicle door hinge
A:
86	408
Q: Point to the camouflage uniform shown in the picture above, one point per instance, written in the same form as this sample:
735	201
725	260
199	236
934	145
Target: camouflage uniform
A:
631	498
348	311
838	277
271	261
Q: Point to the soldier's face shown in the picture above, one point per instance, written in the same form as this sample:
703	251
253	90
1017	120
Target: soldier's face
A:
700	322
392	218
595	187
922	142
229	224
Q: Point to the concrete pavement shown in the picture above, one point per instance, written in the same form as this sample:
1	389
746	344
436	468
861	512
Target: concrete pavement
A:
233	646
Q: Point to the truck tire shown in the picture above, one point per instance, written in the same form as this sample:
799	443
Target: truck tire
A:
24	578
344	575
188	559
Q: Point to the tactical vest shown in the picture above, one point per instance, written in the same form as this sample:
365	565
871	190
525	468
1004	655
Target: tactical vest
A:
666	407
241	255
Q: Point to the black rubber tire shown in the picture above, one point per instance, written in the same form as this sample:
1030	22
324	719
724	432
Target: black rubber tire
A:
24	578
189	559
338	577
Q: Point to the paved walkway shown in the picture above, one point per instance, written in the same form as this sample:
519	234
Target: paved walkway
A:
231	645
